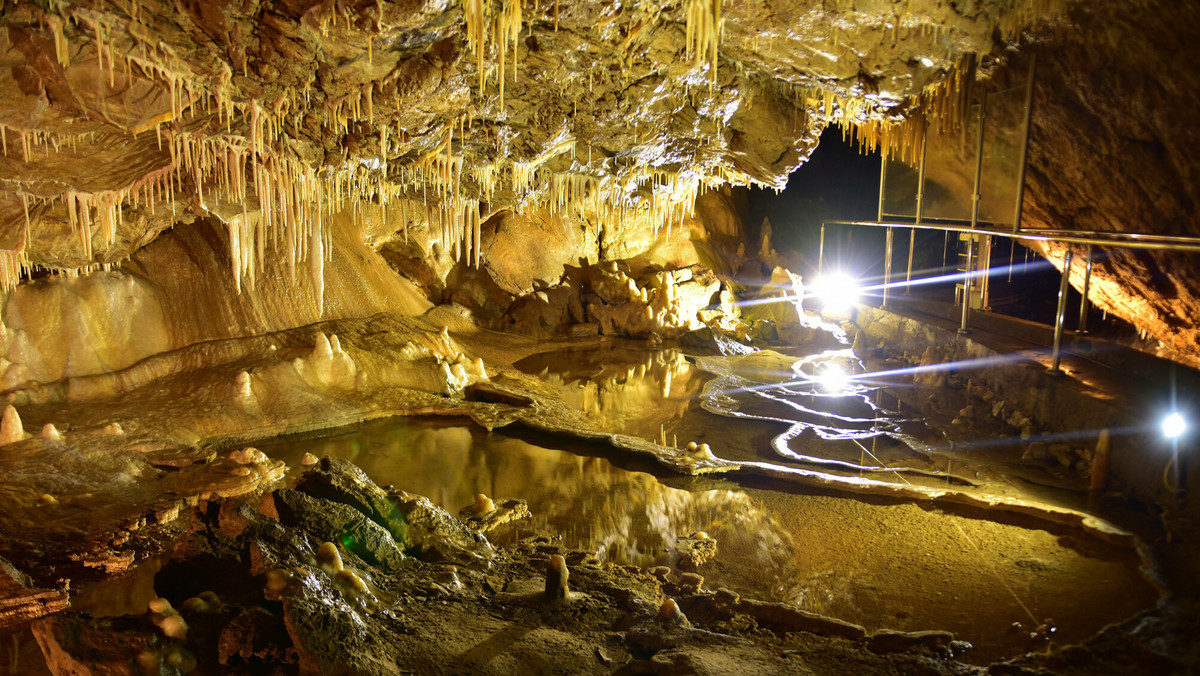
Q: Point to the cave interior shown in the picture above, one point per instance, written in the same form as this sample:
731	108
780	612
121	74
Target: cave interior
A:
633	336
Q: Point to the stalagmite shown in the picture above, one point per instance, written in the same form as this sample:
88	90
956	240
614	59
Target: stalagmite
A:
1100	462
51	433
10	426
329	559
483	504
322	349
557	587
670	612
448	377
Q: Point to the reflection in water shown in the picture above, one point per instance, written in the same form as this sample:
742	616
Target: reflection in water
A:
817	399
635	392
817	393
822	400
898	566
627	517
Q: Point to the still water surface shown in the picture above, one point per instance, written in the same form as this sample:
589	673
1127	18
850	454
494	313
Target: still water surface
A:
879	564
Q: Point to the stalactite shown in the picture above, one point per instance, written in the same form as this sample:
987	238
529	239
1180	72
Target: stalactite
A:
61	50
704	25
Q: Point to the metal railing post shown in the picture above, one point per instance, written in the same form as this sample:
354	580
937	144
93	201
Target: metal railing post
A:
985	263
912	244
1083	302
912	234
821	253
887	264
966	299
1060	316
975	197
882	183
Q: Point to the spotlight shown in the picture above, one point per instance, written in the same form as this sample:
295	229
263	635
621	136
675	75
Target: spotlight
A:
1173	426
837	292
832	378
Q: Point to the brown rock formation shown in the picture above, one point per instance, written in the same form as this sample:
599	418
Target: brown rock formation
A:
1111	150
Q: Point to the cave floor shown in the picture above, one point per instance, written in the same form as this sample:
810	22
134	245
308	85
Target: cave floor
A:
146	453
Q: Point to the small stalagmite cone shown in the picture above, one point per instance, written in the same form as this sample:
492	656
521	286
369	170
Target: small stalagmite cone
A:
51	433
1100	461
483	504
243	386
329	557
669	612
194	605
211	598
173	626
557	588
322	349
10	426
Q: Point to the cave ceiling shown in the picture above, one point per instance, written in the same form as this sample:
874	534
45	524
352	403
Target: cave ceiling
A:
122	118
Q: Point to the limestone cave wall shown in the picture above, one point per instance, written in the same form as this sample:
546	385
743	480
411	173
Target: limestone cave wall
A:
1113	148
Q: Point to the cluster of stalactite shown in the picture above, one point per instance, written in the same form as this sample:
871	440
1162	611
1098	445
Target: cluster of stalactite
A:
277	202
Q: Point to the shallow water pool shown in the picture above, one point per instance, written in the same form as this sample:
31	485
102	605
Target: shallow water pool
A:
882	564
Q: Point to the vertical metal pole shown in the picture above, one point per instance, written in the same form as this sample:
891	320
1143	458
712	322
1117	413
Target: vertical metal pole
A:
912	234
1083	302
974	215
887	264
1055	354
1025	145
912	243
985	264
821	253
966	299
882	183
1012	251
975	196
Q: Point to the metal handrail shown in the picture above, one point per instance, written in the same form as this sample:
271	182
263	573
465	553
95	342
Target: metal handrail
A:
1141	240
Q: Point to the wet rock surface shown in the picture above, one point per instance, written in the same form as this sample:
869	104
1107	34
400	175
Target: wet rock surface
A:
320	608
